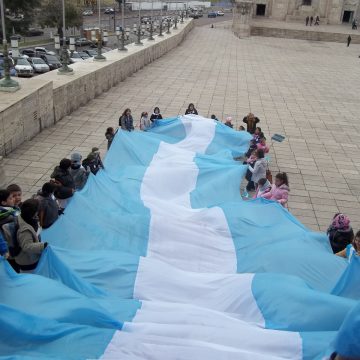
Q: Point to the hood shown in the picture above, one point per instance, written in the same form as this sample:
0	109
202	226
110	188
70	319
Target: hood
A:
284	187
58	172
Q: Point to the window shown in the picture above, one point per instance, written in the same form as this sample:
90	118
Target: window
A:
307	2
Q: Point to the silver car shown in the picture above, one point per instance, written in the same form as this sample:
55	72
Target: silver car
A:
39	65
23	68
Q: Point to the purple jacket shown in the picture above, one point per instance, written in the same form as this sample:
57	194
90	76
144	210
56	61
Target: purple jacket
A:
279	194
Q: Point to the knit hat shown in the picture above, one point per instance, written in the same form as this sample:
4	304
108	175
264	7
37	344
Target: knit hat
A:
76	158
341	222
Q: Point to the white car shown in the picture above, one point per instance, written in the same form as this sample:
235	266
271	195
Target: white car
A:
220	13
23	68
88	13
75	57
44	51
39	65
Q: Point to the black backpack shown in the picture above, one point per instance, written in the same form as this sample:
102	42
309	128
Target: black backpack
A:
9	232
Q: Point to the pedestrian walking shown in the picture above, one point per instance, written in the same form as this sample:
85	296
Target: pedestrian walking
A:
307	21
317	20
311	20
348	41
354	25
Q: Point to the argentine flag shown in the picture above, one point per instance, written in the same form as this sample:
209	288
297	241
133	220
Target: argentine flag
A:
158	257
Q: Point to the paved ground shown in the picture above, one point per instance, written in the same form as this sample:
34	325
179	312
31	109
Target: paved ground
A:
307	91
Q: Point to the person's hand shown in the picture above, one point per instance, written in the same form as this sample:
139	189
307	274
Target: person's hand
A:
6	255
45	245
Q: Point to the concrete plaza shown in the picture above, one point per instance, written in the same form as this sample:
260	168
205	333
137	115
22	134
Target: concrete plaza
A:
307	91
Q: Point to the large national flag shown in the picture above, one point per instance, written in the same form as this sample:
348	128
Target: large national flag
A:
158	257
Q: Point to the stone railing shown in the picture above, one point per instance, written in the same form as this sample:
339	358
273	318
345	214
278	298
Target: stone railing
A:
45	99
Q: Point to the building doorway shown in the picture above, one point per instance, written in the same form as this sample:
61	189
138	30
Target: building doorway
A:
306	2
348	16
260	9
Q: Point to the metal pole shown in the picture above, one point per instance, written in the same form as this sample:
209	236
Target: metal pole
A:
122	48
7	84
161	20
151	22
139	43
99	57
65	58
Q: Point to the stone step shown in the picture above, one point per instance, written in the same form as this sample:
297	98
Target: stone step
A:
303	34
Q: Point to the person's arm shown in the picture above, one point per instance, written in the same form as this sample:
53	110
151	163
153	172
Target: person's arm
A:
255	168
41	217
245	120
27	244
195	112
257	120
160	117
284	199
341	253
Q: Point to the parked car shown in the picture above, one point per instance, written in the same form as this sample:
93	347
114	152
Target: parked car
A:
2	71
212	14
52	61
75	57
67	41
39	65
84	55
200	13
88	13
145	19
18	37
194	15
34	32
220	13
91	52
82	42
28	52
23	68
109	11
41	50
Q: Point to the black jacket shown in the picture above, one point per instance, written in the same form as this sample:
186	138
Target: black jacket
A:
154	117
64	177
191	112
251	126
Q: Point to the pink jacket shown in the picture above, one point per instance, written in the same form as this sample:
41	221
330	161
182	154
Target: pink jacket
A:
279	194
263	147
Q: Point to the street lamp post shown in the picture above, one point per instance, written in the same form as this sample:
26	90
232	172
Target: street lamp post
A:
168	26
7	84
122	46
65	59
151	22
99	56
57	44
161	20
176	18
138	42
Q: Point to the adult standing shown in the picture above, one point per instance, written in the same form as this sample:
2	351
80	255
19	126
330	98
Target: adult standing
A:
307	20
156	115
126	121
348	40
317	20
191	110
311	20
251	120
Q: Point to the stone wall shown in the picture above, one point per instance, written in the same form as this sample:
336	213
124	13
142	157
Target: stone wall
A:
25	113
45	99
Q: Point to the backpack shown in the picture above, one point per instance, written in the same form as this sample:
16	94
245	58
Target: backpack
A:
9	231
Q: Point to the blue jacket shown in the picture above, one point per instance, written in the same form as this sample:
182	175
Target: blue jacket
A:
3	245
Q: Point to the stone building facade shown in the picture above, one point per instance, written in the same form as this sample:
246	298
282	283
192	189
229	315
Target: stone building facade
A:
329	11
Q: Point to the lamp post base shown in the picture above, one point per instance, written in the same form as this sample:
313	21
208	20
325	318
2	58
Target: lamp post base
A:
99	58
9	85
65	70
139	44
123	49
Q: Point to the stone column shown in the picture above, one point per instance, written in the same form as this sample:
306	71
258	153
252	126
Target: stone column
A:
2	174
241	20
